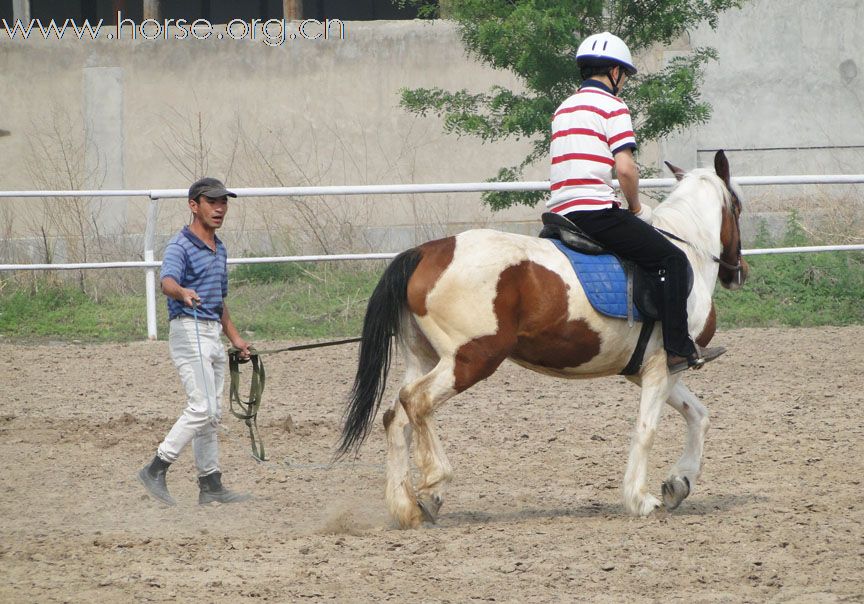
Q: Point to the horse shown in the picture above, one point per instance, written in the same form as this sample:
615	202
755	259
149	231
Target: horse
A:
459	306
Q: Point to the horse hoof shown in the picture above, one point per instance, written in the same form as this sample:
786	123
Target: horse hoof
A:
675	490
429	505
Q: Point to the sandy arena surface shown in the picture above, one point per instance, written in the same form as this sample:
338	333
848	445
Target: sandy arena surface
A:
534	513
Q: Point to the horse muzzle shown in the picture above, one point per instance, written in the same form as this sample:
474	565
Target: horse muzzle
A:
733	276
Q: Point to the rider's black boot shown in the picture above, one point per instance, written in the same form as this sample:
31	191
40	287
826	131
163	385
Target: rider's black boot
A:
677	364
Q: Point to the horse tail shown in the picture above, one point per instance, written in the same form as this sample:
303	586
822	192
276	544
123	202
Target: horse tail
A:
383	320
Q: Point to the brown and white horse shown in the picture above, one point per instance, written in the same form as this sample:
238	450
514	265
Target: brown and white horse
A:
461	305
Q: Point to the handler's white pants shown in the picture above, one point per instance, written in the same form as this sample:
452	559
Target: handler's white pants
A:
203	410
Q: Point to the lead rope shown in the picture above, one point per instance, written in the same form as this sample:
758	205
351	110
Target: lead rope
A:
212	414
248	409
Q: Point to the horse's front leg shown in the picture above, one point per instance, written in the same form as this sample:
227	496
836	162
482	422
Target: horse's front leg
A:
687	469
656	383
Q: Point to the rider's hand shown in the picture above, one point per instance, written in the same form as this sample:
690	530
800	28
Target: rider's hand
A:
645	213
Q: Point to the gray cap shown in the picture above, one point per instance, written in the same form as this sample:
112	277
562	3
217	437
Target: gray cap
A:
211	187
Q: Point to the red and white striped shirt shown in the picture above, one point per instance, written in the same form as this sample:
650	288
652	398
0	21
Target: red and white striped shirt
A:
587	130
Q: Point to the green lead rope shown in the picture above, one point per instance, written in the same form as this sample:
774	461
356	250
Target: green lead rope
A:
248	410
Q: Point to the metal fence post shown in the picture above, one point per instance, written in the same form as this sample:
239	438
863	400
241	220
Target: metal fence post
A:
150	284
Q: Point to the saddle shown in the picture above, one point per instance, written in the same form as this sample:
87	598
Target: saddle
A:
615	287
602	276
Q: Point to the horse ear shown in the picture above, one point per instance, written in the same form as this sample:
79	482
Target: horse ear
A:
721	166
678	172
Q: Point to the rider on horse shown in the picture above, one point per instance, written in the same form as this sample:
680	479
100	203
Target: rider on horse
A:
592	133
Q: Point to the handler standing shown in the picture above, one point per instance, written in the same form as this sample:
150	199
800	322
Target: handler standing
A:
194	278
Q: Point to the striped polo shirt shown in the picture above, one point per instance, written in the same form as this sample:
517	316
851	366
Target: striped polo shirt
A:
588	129
192	264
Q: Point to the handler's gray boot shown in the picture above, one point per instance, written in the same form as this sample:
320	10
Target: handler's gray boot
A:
213	491
152	476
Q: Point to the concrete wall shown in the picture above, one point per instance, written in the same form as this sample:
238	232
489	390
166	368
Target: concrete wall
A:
787	95
788	98
788	89
157	114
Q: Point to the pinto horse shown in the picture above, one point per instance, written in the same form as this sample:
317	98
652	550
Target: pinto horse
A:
459	306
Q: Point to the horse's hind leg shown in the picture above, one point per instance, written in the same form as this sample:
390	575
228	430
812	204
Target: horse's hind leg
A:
687	469
409	416
418	401
420	359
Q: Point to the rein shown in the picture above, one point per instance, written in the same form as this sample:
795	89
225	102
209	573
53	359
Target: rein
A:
732	267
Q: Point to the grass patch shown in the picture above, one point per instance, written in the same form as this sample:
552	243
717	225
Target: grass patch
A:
316	301
326	300
267	302
66	313
796	290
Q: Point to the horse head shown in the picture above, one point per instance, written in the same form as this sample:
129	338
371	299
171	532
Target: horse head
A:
733	269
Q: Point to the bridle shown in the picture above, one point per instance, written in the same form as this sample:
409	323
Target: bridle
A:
738	267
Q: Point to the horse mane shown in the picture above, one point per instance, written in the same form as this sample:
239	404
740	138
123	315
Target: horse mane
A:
685	210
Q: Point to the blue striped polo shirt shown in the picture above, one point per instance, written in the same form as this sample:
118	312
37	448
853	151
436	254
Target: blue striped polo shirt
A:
192	264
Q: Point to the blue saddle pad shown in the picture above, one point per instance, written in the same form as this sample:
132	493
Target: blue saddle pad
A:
603	279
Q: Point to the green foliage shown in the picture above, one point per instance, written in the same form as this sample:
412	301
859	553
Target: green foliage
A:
426	9
267	301
795	289
290	301
536	39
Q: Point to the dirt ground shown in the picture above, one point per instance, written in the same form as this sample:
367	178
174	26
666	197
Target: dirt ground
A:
534	513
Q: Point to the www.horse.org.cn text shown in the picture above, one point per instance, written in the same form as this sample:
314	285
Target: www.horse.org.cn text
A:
272	32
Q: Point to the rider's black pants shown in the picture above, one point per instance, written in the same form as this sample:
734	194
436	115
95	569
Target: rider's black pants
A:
633	239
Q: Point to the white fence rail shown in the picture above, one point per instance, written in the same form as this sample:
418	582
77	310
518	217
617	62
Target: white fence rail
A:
150	264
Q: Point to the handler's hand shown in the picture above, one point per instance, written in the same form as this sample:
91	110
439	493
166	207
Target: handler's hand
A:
241	345
190	297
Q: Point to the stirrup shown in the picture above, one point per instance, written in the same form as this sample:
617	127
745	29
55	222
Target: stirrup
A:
682	365
696	360
709	354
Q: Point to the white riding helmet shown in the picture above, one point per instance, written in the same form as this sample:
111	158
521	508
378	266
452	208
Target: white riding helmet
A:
605	48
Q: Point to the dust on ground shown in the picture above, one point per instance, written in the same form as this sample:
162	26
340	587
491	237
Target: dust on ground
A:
534	513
